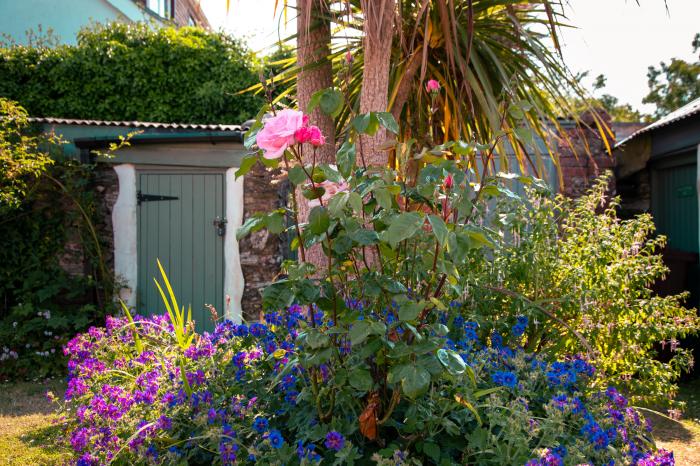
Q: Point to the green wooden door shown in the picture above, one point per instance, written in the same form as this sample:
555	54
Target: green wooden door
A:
176	212
675	205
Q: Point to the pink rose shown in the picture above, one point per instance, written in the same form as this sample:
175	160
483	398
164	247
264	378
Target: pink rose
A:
278	133
302	135
433	86
311	134
449	182
315	136
331	190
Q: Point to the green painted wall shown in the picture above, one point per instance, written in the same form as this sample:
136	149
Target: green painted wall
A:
675	205
64	17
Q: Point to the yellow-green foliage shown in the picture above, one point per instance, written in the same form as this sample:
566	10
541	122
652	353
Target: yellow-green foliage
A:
594	272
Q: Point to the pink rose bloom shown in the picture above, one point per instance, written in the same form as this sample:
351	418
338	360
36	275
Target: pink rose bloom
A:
310	134
278	132
331	190
449	182
433	86
315	136
302	135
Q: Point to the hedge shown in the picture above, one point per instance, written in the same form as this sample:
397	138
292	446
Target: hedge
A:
135	72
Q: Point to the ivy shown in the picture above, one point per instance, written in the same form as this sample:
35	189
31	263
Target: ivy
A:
134	72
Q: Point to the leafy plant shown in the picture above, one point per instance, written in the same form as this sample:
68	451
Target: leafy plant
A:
22	160
46	205
130	72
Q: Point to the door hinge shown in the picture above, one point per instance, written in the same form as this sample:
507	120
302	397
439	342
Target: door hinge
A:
140	197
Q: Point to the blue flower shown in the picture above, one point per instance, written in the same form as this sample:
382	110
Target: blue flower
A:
275	438
504	378
260	424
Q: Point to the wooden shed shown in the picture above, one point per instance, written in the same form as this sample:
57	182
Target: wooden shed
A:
657	172
172	195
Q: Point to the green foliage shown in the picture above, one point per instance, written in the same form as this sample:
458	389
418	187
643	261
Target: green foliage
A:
22	159
593	271
41	304
134	72
674	84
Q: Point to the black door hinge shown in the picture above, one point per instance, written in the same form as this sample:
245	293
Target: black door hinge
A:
140	197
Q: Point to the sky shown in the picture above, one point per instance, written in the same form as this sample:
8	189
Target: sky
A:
617	38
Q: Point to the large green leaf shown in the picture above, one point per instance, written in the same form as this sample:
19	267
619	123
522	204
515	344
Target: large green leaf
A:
402	227
319	220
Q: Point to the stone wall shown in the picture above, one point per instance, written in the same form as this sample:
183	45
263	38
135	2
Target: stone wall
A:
261	253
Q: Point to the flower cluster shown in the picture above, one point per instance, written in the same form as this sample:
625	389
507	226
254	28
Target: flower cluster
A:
240	396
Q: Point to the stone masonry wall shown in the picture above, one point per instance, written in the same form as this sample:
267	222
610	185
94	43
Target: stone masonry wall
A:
261	253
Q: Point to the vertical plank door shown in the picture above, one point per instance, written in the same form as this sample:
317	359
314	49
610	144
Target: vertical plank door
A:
176	212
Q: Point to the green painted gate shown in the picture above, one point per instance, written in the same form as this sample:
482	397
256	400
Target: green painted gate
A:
176	215
675	204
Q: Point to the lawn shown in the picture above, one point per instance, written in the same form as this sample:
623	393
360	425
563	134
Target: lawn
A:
28	433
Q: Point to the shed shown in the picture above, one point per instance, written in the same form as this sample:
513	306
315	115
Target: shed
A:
172	196
657	172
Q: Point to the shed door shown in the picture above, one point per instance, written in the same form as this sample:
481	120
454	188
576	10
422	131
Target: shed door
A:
176	212
675	206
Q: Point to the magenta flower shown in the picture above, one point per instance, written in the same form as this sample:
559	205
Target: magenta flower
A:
433	87
278	132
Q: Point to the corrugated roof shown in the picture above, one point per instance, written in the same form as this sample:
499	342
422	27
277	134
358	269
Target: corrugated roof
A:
135	124
685	111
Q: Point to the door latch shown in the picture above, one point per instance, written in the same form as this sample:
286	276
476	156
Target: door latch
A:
220	225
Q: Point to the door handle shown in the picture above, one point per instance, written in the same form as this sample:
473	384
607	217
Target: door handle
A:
220	225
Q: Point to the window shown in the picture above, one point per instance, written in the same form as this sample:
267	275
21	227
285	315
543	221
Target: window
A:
160	7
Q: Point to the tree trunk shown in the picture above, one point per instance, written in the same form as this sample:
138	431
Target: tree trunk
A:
378	34
313	49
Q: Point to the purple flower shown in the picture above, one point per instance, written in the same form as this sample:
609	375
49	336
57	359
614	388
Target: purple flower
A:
79	439
335	441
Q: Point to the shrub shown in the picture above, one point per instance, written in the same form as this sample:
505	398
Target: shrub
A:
370	354
41	305
592	272
134	72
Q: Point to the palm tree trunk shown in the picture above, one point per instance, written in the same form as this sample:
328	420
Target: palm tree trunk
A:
378	34
313	49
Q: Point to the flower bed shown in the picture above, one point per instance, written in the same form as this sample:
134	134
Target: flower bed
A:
240	395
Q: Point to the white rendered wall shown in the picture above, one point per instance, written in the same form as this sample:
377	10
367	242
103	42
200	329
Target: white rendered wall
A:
124	218
233	274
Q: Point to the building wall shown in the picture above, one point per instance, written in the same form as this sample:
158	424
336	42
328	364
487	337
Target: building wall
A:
187	11
583	157
64	17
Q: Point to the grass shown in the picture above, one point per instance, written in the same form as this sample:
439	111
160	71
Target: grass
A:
28	435
682	437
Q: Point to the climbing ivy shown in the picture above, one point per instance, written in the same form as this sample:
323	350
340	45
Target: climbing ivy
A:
47	215
134	72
